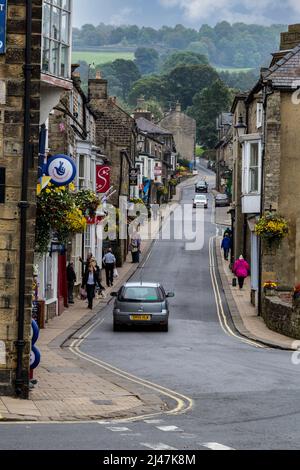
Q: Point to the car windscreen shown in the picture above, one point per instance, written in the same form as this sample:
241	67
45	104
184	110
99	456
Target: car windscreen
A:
200	198
140	294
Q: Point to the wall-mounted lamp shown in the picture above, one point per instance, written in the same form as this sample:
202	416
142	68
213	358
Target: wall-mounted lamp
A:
241	127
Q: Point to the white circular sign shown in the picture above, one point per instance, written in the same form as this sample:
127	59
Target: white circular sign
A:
61	169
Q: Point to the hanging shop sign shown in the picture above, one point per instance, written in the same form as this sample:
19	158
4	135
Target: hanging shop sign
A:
102	178
133	176
3	14
61	169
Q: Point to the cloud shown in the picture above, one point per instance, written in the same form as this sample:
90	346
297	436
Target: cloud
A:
122	17
248	11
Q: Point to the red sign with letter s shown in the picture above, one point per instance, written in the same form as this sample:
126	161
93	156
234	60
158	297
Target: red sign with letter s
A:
102	179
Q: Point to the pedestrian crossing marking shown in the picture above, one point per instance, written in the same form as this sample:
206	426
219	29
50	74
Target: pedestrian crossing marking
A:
168	428
159	446
216	446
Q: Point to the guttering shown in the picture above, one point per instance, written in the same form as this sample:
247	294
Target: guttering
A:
22	377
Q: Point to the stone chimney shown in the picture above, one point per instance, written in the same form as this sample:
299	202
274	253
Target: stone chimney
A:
141	104
141	110
290	39
97	89
178	107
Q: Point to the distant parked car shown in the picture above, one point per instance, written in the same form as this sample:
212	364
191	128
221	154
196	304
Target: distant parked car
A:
201	187
200	200
209	164
222	200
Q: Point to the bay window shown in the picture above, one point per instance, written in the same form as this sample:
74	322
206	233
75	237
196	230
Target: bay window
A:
56	37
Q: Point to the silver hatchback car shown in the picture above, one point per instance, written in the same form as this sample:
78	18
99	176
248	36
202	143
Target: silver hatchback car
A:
141	304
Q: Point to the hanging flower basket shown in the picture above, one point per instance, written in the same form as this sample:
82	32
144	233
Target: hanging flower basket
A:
272	228
59	212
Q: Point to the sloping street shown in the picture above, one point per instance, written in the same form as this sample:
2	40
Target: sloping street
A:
227	391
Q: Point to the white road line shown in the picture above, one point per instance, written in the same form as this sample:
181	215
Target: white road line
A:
119	429
216	446
220	310
153	421
157	446
168	428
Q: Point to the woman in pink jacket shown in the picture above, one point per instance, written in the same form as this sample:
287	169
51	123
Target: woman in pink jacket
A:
242	270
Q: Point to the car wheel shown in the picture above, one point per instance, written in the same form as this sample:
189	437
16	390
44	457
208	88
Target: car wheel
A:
117	327
164	328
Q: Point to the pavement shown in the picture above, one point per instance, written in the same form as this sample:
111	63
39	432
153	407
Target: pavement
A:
244	314
69	390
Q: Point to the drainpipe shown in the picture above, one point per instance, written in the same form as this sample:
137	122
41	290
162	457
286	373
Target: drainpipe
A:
21	385
267	91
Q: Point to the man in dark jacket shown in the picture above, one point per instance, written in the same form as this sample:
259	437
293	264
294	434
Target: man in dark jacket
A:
71	279
226	246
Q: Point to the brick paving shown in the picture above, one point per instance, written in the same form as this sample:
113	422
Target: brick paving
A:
69	388
244	314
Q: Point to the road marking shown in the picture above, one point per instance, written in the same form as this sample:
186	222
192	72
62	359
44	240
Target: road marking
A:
220	310
184	404
168	428
153	421
216	446
157	446
119	429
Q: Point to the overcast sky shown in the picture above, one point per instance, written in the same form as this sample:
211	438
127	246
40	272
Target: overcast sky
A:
189	12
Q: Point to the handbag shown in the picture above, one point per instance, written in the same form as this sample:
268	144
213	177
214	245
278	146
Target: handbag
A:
83	293
116	274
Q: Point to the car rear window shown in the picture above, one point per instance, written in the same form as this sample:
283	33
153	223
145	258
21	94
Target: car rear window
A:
141	294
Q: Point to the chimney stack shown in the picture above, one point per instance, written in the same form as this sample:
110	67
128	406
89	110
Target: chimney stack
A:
97	89
290	39
178	107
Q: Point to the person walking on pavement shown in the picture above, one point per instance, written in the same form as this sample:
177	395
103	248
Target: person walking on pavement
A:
135	247
91	281
71	279
155	211
242	270
226	246
109	262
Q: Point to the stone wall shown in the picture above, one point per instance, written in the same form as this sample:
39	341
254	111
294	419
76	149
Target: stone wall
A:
281	317
11	158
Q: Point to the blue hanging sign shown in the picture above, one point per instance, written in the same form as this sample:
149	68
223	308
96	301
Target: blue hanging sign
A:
3	12
61	169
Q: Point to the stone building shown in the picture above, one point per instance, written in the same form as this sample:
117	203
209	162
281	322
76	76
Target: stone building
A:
266	179
116	134
183	129
33	75
19	136
71	130
224	159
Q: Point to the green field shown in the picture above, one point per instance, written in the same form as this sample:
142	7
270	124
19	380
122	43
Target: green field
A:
99	58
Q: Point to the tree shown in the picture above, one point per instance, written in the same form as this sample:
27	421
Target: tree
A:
146	59
183	58
207	105
152	88
185	81
127	73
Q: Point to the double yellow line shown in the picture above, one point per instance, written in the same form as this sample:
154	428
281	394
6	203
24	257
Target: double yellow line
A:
184	403
220	310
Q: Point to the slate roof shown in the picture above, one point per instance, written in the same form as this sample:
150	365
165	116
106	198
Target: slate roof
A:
150	128
286	72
